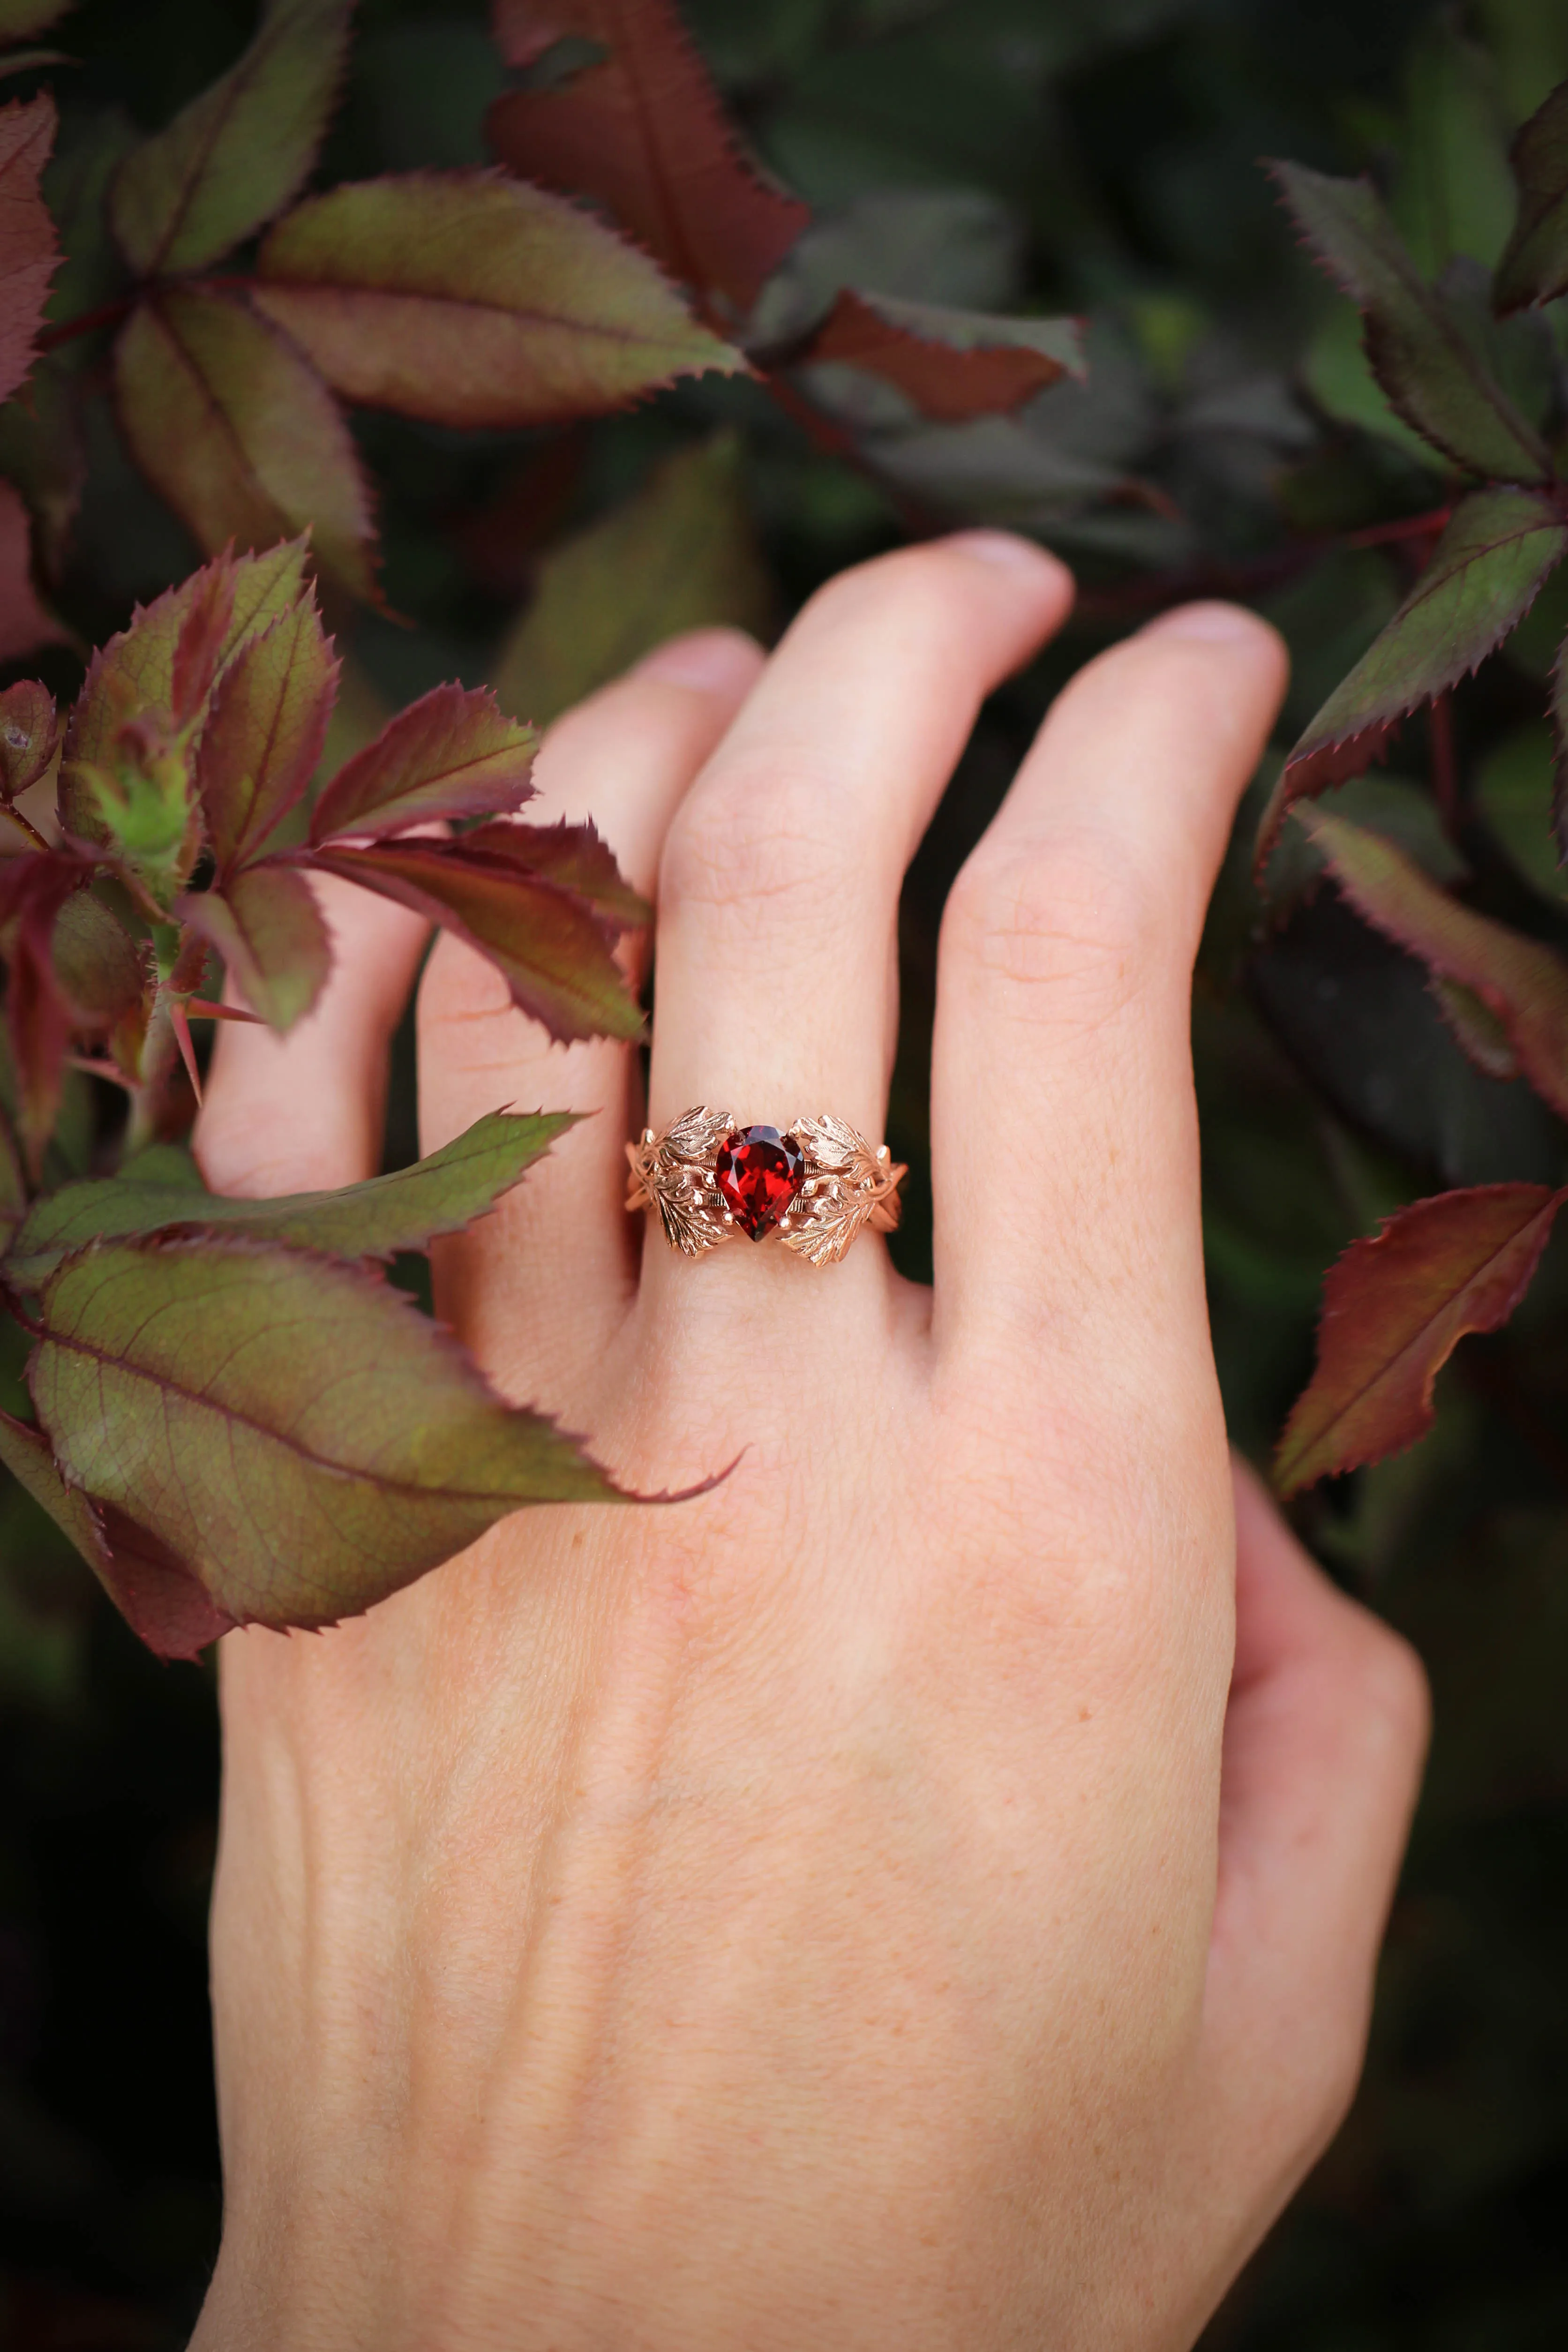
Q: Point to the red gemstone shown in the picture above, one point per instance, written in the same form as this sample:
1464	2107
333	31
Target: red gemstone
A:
758	1172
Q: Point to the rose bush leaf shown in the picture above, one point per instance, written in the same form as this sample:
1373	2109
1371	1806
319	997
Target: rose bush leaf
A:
29	250
1394	1307
952	364
574	856
1534	266
234	156
234	428
29	736
268	928
453	754
263	739
1425	366
38	1015
1520	981
643	132
1498	548
551	948
291	1428
24	622
467	298
442	1194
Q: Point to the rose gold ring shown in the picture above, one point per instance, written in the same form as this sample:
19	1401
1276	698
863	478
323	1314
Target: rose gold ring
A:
815	1183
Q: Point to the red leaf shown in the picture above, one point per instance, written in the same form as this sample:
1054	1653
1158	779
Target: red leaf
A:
28	248
261	745
644	134
268	928
1394	1307
1523	984
24	623
33	888
952	364
547	944
574	857
199	648
29	737
453	754
466	298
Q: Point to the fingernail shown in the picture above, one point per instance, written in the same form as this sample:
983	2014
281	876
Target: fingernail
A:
1216	624
1004	548
719	661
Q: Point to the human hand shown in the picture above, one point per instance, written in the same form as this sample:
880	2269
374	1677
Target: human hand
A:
924	1892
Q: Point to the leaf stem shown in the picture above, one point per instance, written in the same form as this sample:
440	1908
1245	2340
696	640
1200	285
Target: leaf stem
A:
1445	765
107	314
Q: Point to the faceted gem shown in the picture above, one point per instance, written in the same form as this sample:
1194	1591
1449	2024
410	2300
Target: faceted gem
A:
758	1172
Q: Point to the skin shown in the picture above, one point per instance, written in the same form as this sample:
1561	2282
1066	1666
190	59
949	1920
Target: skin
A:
925	1893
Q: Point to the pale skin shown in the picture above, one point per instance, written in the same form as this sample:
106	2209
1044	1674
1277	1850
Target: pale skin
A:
925	1892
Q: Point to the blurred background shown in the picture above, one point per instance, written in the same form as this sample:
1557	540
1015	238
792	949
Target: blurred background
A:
1099	156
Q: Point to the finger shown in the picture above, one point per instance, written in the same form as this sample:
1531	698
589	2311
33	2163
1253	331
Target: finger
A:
545	1279
1324	1739
1064	1153
305	1112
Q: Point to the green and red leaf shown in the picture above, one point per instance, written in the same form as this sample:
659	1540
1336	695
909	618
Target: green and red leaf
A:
263	739
29	250
267	926
1484	574
1428	370
573	857
29	736
40	1019
467	298
1534	266
951	364
290	1429
24	622
643	132
453	754
1394	1307
231	160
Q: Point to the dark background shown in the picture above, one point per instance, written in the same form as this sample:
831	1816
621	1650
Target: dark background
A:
1101	155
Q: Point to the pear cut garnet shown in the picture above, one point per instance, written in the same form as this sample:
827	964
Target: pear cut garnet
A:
758	1172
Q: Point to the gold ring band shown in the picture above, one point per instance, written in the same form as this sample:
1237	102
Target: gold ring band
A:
816	1183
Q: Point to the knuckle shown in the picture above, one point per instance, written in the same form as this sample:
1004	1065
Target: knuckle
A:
1072	925
758	835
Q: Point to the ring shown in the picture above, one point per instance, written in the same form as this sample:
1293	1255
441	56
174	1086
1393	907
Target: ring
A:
816	1183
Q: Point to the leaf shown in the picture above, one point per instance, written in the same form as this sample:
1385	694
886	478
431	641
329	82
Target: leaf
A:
234	426
29	250
291	1429
952	364
33	886
263	740
29	737
681	554
102	971
453	754
232	158
24	623
549	945
466	298
1427	370
644	134
1394	1307
268	928
167	1607
442	1193
1534	266
1484	574
575	857
1521	983
1559	748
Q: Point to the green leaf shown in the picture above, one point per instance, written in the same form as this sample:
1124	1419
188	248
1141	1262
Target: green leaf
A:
268	928
1394	1307
1534	266
290	1428
234	426
951	364
232	158
261	744
29	250
550	946
1523	984
466	298
1425	364
102	971
1484	574
450	754
681	554
29	737
442	1194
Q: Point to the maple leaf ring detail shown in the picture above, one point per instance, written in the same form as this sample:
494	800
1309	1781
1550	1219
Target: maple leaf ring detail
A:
816	1183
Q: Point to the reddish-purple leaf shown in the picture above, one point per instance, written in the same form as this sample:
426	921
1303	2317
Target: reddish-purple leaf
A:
28	248
199	648
262	743
33	886
1499	547
1521	983
29	736
952	364
1534	266
574	857
234	156
645	132
230	422
453	754
551	948
24	623
1428	370
268	928
1394	1307
464	297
